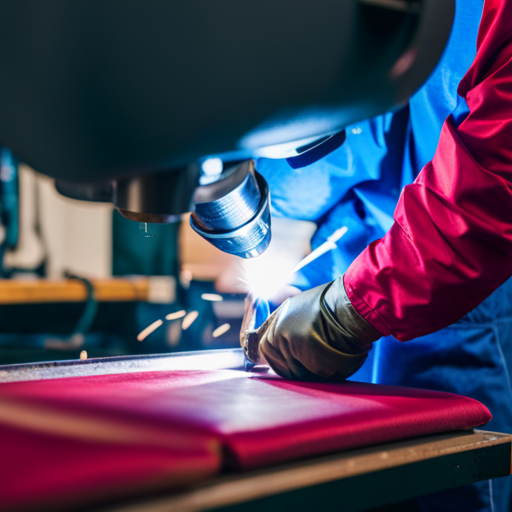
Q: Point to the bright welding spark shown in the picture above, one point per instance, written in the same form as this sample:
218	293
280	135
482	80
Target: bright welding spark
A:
176	315
222	329
189	320
268	273
149	329
327	246
212	297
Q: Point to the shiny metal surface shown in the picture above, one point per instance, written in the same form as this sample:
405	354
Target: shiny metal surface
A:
201	360
157	197
248	333
239	221
232	210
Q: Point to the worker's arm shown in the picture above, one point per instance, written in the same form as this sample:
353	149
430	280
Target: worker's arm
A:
451	243
449	248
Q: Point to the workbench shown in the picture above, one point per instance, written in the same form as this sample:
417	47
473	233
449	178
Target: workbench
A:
40	291
395	472
360	479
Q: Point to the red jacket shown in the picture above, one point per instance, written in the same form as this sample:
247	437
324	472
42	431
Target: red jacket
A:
451	243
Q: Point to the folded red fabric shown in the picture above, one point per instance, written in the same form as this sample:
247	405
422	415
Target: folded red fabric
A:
104	435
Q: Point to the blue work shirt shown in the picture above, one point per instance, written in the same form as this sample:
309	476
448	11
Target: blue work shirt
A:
359	184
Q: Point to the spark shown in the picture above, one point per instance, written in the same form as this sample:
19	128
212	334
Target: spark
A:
212	297
223	329
327	246
189	320
176	315
149	329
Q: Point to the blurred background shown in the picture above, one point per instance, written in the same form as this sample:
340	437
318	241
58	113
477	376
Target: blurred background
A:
79	280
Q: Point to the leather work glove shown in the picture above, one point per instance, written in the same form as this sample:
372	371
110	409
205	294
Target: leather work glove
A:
316	335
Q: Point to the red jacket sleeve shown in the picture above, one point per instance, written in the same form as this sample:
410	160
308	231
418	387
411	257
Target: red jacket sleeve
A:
451	243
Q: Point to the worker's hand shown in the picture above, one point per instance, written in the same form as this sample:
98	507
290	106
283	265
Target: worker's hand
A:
257	310
316	335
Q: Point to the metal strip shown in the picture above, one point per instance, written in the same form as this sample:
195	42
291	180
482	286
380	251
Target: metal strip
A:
200	360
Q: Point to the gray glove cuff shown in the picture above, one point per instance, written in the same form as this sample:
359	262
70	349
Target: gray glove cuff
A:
357	332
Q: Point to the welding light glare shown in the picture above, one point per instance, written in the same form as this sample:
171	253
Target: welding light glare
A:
212	166
212	297
189	320
267	274
149	329
176	315
223	329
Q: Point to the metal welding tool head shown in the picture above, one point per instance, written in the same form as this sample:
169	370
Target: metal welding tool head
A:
233	213
256	312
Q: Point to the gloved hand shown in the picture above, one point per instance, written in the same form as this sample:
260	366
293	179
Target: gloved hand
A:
316	335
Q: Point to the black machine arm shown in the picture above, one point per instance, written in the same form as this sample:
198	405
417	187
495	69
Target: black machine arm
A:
123	100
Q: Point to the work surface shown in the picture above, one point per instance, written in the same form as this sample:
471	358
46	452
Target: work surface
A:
112	434
394	472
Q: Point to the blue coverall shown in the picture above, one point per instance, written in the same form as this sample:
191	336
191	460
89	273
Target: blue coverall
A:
358	186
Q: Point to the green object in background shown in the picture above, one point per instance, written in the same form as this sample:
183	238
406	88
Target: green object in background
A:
9	197
150	250
134	252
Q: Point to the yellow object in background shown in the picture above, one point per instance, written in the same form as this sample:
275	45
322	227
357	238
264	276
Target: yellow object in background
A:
21	291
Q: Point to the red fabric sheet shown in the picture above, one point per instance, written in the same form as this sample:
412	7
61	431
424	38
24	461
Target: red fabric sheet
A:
89	436
451	243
